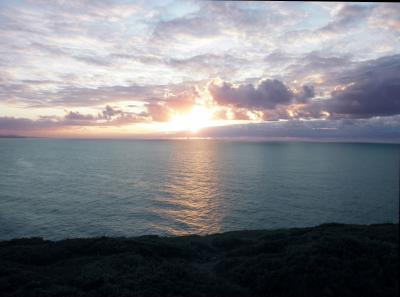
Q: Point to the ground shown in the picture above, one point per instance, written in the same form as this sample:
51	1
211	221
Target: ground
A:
328	260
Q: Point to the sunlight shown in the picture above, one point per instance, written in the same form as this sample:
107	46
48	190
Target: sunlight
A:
199	117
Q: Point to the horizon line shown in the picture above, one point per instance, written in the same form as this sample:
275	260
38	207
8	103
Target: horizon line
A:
238	139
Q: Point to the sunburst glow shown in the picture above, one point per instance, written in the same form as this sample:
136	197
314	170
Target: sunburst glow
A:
199	117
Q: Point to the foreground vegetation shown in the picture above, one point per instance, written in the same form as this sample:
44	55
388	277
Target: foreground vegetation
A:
328	260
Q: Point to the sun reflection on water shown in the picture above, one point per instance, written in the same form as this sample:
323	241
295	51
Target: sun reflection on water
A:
194	202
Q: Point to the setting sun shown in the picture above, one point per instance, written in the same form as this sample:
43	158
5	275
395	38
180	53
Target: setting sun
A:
199	148
199	117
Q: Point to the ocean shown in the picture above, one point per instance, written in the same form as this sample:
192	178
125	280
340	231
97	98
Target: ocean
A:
60	188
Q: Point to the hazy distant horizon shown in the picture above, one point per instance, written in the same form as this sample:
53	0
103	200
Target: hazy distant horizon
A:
239	139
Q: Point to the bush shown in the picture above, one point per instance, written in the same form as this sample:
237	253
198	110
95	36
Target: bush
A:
328	260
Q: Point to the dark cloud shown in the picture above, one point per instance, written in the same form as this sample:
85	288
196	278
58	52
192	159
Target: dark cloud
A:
382	68
367	89
373	89
379	129
12	124
108	117
76	116
279	113
266	95
382	129
366	99
109	112
305	94
112	116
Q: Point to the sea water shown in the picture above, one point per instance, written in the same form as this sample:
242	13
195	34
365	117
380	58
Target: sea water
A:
57	188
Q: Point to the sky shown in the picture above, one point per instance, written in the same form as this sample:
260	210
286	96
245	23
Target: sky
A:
155	69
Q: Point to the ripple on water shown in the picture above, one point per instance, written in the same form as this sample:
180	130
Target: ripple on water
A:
69	188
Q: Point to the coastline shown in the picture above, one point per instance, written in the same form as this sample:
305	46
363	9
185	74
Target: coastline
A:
326	260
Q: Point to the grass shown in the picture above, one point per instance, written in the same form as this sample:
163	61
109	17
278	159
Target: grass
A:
328	260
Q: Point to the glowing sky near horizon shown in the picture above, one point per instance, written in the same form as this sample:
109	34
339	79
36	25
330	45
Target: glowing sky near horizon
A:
126	68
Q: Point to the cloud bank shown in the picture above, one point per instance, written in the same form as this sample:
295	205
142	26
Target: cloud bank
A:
119	64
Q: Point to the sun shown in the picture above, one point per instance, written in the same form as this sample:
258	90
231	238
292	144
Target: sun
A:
199	117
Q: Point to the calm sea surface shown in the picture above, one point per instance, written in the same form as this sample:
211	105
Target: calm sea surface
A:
75	188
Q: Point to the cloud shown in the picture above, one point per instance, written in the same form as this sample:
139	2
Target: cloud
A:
345	31
13	124
366	99
178	102
250	18
277	61
108	117
159	112
367	89
386	16
211	65
266	95
192	26
110	112
220	25
67	96
380	129
316	65
372	89
76	116
347	17
305	94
